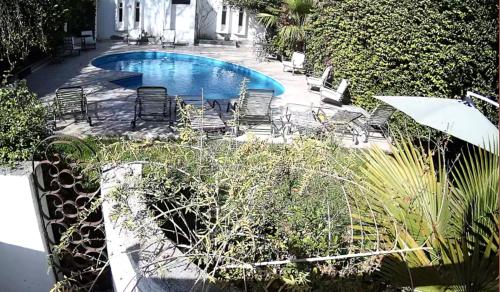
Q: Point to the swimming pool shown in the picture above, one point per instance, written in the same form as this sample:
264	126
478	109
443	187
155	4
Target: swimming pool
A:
184	74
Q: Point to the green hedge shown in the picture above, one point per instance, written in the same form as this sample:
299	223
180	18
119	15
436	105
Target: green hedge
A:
405	47
22	122
254	5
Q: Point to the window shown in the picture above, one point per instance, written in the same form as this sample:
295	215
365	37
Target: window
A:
120	12
137	11
181	1
224	14
240	17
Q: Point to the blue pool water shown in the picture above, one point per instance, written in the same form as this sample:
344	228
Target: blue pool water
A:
185	74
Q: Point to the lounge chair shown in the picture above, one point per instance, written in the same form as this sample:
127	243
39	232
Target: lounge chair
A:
311	120
254	108
376	121
88	40
202	117
336	97
301	119
295	64
71	101
168	38
315	82
70	46
153	104
134	36
342	121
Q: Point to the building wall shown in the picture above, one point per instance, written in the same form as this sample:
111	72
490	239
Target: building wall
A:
106	23
209	18
197	20
183	20
153	16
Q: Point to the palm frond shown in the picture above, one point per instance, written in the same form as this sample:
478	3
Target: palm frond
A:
476	193
301	7
267	19
292	33
420	202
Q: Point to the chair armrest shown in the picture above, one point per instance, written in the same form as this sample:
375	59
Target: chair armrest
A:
232	105
320	116
215	102
329	91
328	85
85	104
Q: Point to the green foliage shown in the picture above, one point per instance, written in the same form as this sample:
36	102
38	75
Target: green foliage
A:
22	122
80	15
289	20
428	48
253	5
418	202
251	202
27	24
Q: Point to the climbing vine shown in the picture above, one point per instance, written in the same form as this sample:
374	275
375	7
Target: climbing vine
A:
428	48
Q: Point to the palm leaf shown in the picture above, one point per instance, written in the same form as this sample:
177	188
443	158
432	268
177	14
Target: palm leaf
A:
301	7
476	180
453	211
270	18
292	33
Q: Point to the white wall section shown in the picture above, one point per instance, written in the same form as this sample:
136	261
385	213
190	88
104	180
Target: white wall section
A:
23	256
199	19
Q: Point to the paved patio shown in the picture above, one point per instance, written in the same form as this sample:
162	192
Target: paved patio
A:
113	106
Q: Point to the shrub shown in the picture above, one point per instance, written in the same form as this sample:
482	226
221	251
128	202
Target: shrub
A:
26	25
450	207
428	48
255	5
230	204
22	122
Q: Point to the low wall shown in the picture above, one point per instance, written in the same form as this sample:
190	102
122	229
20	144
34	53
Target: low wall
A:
24	265
131	256
23	256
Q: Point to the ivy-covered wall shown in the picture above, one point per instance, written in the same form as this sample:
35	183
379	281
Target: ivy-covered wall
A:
407	47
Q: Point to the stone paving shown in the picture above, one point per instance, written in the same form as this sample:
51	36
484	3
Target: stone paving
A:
112	106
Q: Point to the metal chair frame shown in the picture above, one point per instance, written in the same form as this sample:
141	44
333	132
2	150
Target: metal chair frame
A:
71	101
153	105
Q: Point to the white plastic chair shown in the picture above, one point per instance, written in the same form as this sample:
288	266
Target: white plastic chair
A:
315	82
134	35
168	38
338	97
295	64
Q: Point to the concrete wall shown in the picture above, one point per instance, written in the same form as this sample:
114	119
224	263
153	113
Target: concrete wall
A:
184	17
209	18
128	251
23	256
156	15
153	16
198	19
106	21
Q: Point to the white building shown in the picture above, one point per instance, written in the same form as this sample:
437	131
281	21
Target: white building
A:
192	20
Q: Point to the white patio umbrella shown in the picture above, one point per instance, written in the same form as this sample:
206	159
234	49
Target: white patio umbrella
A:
450	116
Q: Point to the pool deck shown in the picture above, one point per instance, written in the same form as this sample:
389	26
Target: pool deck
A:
112	106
